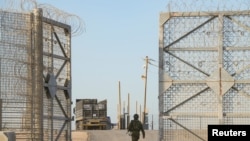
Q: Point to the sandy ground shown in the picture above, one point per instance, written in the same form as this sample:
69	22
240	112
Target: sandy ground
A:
110	135
79	136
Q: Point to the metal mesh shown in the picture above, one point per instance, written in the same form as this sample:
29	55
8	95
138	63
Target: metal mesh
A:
36	106
204	72
15	78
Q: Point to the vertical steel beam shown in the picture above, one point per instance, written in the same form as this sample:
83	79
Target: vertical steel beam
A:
1	106
69	101
164	17
38	75
220	65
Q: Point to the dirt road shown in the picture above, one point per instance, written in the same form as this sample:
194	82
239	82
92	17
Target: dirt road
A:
110	135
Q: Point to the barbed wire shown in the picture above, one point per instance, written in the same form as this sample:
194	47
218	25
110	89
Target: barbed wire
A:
49	11
74	21
78	25
207	5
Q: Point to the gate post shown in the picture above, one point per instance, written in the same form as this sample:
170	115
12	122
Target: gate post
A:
37	110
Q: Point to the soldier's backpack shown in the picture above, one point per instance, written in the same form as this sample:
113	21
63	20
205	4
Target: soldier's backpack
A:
135	125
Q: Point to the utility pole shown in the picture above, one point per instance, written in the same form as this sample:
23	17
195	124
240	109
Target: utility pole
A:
119	106
124	116
140	114
145	89
128	111
136	108
152	122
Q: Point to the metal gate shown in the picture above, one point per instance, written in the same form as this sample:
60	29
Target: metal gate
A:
204	73
35	88
56	39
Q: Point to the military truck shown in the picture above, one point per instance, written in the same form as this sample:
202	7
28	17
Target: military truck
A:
91	115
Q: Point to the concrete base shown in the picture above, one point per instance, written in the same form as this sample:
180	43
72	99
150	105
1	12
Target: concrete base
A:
7	136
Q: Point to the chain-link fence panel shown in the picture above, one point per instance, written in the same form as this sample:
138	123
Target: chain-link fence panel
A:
35	73
204	60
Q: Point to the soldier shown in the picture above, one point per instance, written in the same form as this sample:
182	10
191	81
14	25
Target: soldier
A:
134	128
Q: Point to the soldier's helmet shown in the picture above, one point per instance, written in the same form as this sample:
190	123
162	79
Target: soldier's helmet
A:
136	116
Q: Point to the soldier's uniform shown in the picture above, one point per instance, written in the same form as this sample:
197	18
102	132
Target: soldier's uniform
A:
135	126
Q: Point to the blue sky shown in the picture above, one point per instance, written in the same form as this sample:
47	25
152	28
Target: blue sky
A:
117	36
